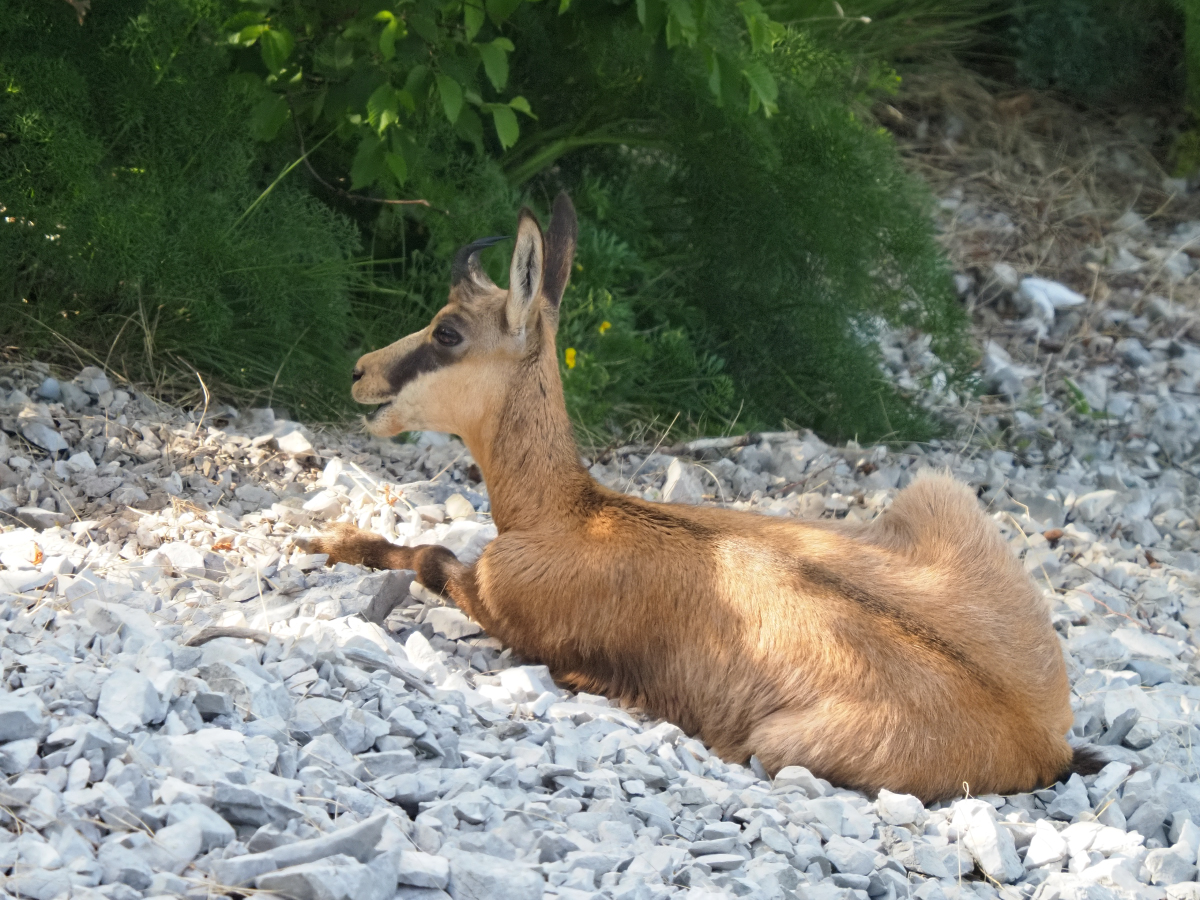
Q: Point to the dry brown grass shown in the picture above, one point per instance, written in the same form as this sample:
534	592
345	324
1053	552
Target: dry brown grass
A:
1040	183
1060	173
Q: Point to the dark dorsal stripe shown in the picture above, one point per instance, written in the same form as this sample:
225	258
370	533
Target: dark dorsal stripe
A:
813	575
466	261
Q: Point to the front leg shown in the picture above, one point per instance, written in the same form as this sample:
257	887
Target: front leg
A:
437	568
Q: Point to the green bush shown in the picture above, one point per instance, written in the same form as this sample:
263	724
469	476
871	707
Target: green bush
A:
785	241
622	363
732	264
1100	50
135	222
804	236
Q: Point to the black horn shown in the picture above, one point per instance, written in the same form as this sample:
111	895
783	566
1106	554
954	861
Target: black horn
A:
466	262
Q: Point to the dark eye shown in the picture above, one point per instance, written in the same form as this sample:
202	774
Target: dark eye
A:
447	337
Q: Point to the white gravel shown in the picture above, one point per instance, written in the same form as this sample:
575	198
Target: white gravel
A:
379	745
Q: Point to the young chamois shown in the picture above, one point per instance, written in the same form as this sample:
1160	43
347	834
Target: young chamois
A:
912	653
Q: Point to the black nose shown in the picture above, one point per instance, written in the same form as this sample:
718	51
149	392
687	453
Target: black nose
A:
356	374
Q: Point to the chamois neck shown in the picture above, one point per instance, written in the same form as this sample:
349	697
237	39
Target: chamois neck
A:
528	455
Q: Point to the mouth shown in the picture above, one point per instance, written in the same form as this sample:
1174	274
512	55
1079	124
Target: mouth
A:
375	423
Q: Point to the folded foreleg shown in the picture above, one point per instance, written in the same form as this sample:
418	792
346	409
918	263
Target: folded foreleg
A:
437	568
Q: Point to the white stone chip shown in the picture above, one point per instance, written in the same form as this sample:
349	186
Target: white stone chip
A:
296	445
682	485
459	507
989	843
899	809
129	700
20	717
451	623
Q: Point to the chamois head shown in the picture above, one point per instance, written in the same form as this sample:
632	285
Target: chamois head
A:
449	375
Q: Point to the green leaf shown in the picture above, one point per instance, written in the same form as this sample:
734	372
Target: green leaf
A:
451	94
277	45
724	81
756	23
522	105
674	34
424	25
760	34
383	108
563	6
248	35
268	117
243	20
470	128
762	88
387	38
714	74
683	18
368	163
318	104
418	78
652	14
500	10
473	17
397	166
343	52
495	61
507	128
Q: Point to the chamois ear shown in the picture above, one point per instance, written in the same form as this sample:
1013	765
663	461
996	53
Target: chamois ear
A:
525	272
561	238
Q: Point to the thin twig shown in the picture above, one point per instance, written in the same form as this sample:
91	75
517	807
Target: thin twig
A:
204	413
286	357
337	190
282	175
228	631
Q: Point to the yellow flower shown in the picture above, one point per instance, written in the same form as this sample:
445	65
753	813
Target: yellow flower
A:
570	357
604	326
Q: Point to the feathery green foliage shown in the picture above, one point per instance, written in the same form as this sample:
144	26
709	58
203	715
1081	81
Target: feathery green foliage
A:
884	31
804	238
134	222
732	265
787	241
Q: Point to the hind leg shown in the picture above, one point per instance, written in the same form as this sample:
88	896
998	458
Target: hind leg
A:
833	744
785	738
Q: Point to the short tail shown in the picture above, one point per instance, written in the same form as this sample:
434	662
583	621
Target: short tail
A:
1085	760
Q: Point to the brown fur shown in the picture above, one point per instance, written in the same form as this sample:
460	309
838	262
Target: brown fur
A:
912	653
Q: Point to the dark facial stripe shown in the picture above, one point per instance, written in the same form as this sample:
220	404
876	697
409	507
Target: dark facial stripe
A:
425	358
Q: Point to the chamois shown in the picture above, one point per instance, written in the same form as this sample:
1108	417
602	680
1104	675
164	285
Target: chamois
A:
911	653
